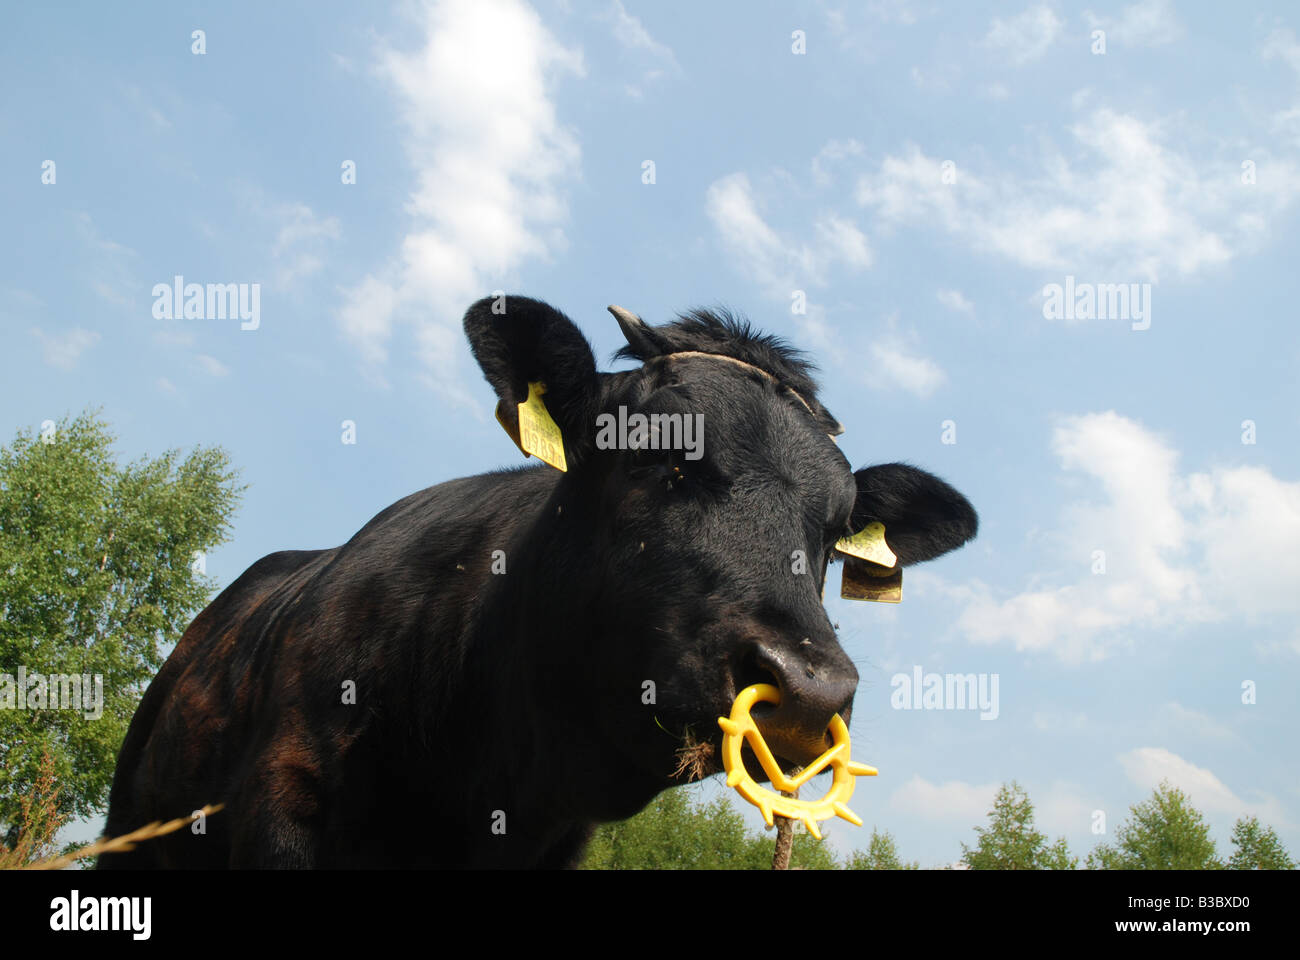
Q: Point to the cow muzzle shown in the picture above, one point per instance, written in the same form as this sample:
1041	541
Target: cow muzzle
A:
815	685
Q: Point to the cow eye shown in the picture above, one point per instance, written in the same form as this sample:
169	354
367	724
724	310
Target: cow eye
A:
658	467
649	471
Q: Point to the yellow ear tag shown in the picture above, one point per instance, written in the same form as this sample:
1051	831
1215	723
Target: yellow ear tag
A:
740	726
863	580
869	544
538	433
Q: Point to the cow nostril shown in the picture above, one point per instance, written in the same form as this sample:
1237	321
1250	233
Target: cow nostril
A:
811	694
748	672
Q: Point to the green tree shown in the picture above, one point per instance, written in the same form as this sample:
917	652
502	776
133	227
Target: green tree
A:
97	577
672	833
1163	833
1257	848
881	854
1010	841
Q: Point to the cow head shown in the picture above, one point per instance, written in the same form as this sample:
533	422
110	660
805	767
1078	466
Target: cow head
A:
692	564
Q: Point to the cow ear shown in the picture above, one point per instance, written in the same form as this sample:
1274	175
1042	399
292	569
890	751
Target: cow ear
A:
519	341
923	516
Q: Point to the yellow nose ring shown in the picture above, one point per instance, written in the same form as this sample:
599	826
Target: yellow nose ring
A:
740	726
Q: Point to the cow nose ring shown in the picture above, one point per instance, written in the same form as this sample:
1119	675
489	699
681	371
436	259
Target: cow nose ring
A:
740	727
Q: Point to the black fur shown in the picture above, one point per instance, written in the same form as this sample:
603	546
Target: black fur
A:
721	332
518	700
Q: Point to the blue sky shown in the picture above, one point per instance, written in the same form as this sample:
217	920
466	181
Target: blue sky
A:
921	173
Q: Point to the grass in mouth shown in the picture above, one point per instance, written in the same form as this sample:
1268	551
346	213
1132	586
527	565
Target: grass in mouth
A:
694	758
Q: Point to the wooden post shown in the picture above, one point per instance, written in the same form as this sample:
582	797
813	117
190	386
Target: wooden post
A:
784	832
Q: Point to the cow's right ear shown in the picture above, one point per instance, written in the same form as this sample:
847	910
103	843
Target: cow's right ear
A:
923	517
519	341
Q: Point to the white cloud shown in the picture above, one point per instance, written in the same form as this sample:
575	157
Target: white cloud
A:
1150	23
1282	44
1146	767
780	265
1062	808
113	294
25	300
1126	206
299	241
954	800
211	365
893	365
632	35
1054	720
109	273
893	11
62	350
367	317
831	155
843	242
1283	647
1200	726
343	62
1247	526
858	27
954	300
938	78
490	157
731	207
174	333
1178	548
1026	36
135	96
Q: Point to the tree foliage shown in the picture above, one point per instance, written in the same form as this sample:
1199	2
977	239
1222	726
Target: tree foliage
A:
1257	848
881	854
1163	833
673	833
97	577
1010	842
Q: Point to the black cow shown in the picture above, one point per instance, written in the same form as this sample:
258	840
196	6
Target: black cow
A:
529	650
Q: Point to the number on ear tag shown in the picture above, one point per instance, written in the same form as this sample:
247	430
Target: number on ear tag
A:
538	433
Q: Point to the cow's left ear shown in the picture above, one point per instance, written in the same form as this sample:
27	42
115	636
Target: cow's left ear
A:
519	341
923	516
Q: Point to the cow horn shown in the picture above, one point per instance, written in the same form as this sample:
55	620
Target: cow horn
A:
636	332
